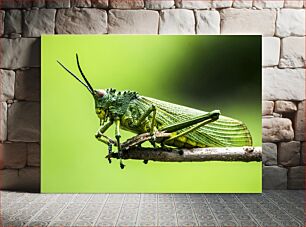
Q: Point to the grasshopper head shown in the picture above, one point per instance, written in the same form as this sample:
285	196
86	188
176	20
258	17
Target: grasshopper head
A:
108	102
111	103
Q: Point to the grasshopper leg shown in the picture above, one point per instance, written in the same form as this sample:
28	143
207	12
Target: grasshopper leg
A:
214	115
118	136
103	129
196	123
153	122
153	129
104	139
110	149
146	114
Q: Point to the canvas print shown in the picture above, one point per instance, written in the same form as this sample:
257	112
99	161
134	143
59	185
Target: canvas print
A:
151	114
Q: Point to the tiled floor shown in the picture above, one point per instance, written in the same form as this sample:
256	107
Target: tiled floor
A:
271	208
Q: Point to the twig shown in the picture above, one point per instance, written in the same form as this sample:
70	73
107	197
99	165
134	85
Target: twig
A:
244	154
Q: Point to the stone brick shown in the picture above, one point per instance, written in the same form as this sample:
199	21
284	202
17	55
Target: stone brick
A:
269	154
26	179
30	179
293	52
242	4
14	155
177	21
27	85
13	21
276	115
24	122
159	4
13	36
56	4
38	22
81	21
38	3
20	53
2	15
33	154
267	107
293	4
133	22
99	3
283	84
285	106
289	153
303	160
9	179
274	177
248	21
80	3
27	4
296	177
270	51
7	80
261	4
15	4
221	3
290	22
191	4
208	22
277	129
299	122
3	121
126	4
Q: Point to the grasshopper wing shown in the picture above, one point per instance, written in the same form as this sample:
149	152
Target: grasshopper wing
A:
225	132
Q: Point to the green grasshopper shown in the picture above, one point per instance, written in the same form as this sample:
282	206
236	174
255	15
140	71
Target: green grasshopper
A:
188	127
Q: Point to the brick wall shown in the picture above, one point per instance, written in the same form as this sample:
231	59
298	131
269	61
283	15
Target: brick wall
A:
281	22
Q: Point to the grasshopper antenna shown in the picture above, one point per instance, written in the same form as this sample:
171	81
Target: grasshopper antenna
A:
72	74
77	58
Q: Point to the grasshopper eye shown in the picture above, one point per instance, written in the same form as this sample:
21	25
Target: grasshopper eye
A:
100	93
98	110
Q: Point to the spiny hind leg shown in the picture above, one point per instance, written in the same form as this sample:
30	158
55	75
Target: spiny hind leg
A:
184	124
194	123
163	134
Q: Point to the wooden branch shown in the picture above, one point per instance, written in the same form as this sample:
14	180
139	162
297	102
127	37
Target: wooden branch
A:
244	154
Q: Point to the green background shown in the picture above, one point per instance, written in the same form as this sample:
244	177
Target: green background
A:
204	72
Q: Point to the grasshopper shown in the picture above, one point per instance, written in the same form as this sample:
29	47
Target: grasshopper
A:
185	127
